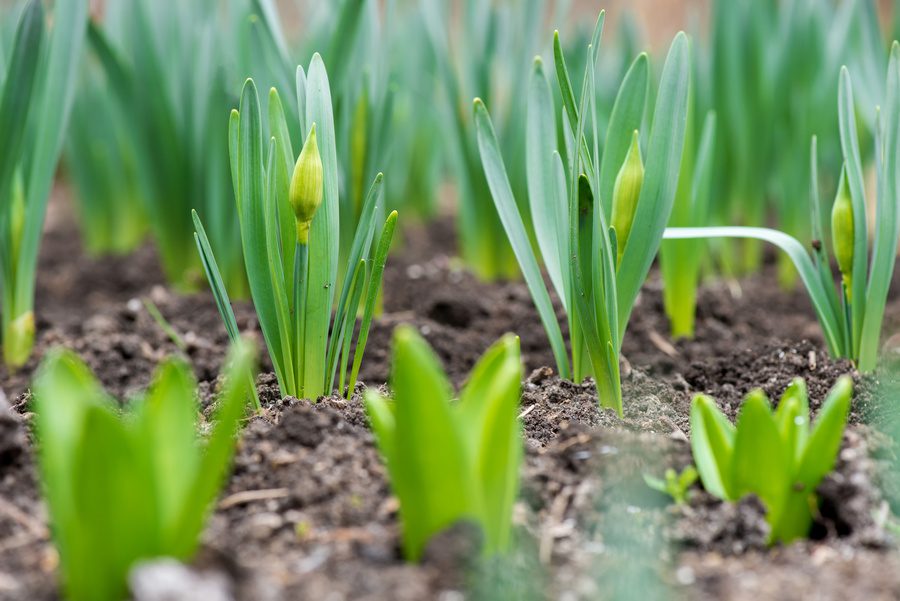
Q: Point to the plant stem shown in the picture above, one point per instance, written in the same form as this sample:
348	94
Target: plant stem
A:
301	272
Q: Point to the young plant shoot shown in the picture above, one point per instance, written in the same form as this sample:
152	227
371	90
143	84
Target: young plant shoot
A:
451	461
124	488
778	456
680	260
598	222
852	311
36	89
289	222
101	157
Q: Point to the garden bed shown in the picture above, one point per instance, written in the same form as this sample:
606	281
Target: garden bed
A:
307	513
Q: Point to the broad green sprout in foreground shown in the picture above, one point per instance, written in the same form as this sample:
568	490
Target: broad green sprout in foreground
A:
778	456
597	270
36	89
451	461
290	233
124	488
850	313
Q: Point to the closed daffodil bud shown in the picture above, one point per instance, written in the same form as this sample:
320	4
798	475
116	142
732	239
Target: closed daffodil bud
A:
307	185
842	232
626	192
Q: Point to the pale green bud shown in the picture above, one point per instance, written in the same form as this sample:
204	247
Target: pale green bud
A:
842	232
626	192
307	185
19	340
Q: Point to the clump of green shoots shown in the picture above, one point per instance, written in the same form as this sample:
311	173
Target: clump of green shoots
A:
122	488
36	89
850	313
769	70
101	158
289	221
778	456
598	219
171	66
498	39
451	462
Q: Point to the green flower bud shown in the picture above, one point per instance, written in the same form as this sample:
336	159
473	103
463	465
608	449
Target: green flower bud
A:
626	192
19	340
842	232
307	185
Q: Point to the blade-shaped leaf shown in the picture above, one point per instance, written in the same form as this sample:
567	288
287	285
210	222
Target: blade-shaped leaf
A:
495	172
664	152
712	443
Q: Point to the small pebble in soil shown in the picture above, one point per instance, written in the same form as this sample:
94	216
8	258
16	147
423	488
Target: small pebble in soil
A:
171	580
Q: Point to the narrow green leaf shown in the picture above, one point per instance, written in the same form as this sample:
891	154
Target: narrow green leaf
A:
832	325
17	92
548	213
664	152
324	241
887	220
214	276
855	178
495	172
374	286
626	117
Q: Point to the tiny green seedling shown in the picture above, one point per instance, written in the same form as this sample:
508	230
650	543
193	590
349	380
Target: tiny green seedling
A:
290	232
451	461
778	456
598	223
123	488
675	485
851	313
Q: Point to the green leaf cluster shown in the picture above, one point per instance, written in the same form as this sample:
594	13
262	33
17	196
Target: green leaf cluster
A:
353	39
851	314
293	286
496	38
570	192
124	487
778	456
170	68
451	461
768	71
36	89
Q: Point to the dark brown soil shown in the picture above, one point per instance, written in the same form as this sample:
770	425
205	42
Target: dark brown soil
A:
308	513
